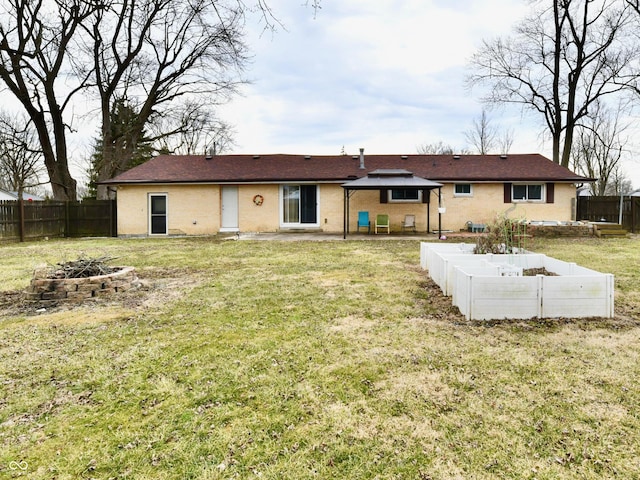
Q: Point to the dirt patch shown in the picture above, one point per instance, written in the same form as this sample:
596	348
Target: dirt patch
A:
156	288
440	305
532	272
12	303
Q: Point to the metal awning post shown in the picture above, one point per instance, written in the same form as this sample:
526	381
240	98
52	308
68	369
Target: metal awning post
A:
439	214
429	212
345	213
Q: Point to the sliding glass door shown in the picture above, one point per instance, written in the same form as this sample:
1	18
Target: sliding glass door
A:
299	205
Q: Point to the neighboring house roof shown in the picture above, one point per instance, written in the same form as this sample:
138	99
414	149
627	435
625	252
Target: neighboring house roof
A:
341	168
30	197
5	195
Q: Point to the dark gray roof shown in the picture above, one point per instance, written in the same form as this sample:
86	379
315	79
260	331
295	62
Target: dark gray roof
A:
390	178
343	168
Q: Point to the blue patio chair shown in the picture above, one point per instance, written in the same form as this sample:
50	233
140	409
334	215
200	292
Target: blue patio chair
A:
363	221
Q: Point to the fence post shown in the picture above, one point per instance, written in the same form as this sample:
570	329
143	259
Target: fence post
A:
66	219
21	217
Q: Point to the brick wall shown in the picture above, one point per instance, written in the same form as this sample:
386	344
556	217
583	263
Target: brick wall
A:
560	230
50	291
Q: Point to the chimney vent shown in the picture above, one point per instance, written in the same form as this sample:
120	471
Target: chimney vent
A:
362	159
209	154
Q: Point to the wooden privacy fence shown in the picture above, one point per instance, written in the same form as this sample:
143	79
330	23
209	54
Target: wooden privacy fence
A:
20	221
607	209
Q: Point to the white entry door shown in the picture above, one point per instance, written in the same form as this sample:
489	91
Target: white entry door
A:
229	209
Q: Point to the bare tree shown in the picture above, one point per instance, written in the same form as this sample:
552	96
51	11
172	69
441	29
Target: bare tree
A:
505	141
199	130
438	148
20	156
36	40
633	78
599	147
483	134
561	60
169	60
153	54
619	183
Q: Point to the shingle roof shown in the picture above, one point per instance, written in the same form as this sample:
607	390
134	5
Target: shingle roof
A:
390	178
342	168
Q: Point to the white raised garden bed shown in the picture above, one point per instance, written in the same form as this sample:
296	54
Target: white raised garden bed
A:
491	287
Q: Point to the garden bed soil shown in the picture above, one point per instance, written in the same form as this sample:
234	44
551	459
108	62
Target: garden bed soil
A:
532	272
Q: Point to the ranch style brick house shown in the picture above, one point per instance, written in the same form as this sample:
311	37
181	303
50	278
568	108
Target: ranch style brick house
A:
210	194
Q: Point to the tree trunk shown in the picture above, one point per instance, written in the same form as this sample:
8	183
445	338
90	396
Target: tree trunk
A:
556	124
103	168
62	183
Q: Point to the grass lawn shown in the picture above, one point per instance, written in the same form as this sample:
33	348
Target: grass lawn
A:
296	360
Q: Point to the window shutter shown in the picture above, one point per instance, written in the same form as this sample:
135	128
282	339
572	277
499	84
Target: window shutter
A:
384	196
507	193
426	196
550	192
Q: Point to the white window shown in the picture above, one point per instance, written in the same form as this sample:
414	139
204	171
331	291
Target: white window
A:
158	214
405	195
531	192
462	190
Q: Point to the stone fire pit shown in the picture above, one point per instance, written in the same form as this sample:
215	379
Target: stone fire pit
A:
51	291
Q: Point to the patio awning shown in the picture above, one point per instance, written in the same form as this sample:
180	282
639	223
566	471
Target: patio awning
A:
385	179
390	178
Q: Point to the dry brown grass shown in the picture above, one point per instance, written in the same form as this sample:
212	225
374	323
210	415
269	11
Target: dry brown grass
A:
312	360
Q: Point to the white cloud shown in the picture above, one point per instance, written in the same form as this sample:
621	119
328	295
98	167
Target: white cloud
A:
387	73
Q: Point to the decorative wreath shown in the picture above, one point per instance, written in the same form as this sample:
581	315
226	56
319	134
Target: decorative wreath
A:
258	199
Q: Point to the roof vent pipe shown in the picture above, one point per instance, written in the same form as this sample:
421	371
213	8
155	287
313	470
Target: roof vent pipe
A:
209	154
362	159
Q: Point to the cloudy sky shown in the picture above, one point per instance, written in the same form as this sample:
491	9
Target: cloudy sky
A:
385	75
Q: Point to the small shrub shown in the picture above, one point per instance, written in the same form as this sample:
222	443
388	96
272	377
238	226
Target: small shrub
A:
504	235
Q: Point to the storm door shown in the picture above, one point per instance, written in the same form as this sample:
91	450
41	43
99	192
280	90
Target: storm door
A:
158	214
